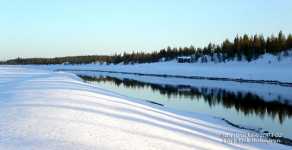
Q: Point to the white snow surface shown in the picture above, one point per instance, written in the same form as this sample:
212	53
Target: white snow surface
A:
267	67
56	110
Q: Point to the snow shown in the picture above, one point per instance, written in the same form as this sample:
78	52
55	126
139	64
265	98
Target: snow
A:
41	109
267	67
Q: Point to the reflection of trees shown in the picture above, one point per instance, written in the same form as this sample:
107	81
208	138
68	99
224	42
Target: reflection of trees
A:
248	103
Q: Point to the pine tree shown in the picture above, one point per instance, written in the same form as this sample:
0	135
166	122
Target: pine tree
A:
247	47
289	42
281	41
227	48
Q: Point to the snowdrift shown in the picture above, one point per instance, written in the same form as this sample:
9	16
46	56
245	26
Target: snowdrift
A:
56	110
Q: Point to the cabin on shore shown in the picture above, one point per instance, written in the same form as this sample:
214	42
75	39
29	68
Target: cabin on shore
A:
66	63
184	59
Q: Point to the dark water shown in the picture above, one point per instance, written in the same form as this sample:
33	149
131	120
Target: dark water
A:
247	109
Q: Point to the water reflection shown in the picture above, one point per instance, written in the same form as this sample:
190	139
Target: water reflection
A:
246	102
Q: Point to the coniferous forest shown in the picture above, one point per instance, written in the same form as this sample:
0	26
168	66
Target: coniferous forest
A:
241	47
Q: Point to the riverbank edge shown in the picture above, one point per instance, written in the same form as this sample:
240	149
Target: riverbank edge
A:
240	80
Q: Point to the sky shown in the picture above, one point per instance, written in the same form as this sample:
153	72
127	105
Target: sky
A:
34	28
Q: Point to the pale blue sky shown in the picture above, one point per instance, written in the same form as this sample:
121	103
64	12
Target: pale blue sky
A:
35	28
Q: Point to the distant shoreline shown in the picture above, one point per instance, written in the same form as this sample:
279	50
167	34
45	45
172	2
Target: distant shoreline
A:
286	84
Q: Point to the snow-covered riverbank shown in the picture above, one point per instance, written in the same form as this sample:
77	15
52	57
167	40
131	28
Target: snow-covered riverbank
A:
55	110
268	67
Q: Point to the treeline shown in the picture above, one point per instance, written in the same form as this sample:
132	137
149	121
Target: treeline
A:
61	60
242	47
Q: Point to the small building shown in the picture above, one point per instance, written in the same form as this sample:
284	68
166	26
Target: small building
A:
66	63
184	59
